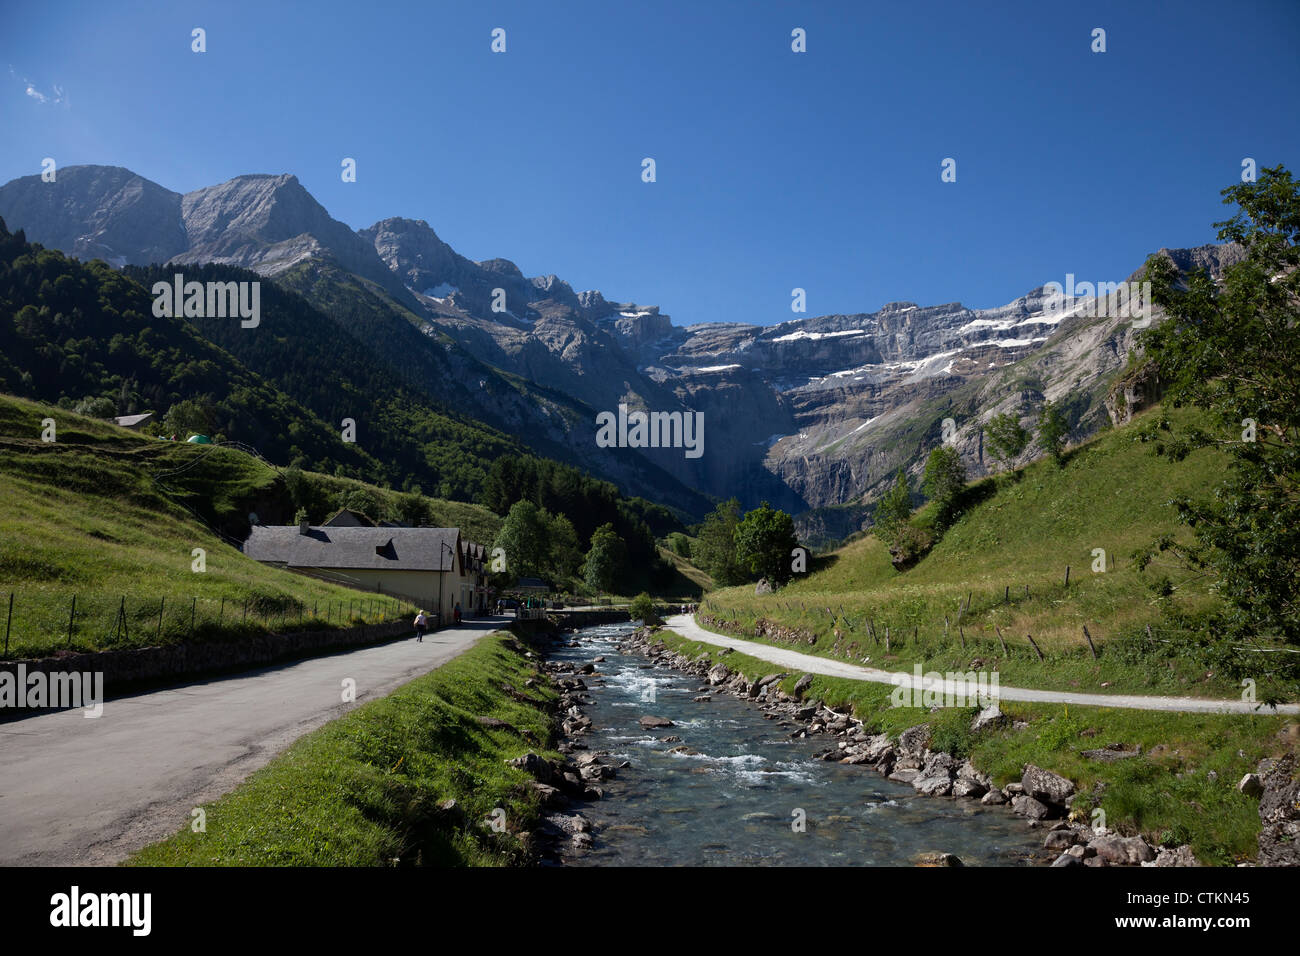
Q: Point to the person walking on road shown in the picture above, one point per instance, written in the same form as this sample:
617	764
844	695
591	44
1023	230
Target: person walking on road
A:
421	625
455	614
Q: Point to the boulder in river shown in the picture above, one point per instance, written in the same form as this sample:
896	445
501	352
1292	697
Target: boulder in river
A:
651	723
1027	806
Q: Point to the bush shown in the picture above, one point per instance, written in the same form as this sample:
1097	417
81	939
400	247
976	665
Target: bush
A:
643	609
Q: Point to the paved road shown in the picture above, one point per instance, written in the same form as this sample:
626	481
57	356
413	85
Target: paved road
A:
685	625
92	791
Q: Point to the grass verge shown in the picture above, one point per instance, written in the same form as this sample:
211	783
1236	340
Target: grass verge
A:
364	789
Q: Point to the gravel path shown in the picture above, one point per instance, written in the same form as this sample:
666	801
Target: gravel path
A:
684	624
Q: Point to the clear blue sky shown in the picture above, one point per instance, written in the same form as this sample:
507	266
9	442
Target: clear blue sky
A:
775	169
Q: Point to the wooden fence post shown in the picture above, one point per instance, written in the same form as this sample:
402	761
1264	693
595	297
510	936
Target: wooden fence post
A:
71	618
1035	644
9	621
1091	646
1001	641
1067	575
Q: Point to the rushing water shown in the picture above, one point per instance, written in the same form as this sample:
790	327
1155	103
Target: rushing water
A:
734	802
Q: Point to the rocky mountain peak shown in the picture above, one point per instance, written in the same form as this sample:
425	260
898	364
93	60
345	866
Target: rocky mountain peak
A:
104	212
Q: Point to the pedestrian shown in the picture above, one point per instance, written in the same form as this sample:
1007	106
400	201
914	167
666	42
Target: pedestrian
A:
421	625
455	614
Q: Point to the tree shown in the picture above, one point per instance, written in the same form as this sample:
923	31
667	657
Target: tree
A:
643	609
715	549
945	477
1053	430
363	501
410	508
764	540
96	407
1230	349
523	538
189	416
605	559
1007	437
680	544
894	507
564	554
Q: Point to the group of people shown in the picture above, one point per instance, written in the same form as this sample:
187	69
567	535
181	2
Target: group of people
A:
422	622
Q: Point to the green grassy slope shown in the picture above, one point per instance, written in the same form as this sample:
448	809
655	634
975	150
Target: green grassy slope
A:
81	517
1111	495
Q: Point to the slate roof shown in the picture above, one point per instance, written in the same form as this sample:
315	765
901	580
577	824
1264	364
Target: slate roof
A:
131	421
380	549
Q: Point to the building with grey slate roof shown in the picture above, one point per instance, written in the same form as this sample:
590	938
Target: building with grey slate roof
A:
428	566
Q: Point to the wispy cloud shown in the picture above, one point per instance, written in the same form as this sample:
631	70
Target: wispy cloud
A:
54	96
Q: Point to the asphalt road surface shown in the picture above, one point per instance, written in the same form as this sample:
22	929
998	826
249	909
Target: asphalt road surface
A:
79	791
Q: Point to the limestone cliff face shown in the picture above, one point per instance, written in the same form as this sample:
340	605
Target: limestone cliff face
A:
814	414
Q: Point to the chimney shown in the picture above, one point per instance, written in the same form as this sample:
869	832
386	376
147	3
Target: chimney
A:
304	526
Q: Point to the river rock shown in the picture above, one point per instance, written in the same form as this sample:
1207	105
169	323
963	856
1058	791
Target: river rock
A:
1061	839
718	674
994	798
1174	856
990	716
937	785
652	723
1027	806
938	859
1067	859
913	741
802	684
1279	814
1122	851
970	789
539	768
1045	786
904	776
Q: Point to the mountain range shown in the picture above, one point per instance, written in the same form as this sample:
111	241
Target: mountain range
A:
814	414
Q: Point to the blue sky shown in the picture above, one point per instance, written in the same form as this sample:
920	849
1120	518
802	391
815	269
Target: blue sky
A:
819	170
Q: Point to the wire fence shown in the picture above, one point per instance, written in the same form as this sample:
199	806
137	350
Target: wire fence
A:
40	624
